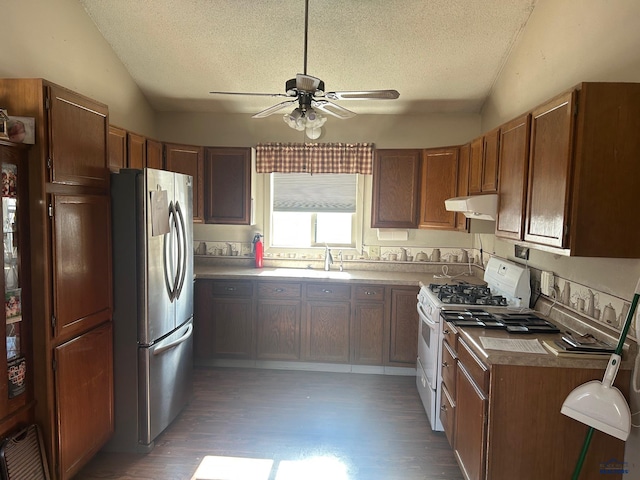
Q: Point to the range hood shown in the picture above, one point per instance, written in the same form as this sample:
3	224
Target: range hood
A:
480	207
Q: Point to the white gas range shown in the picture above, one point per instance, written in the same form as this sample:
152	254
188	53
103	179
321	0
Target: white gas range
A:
507	288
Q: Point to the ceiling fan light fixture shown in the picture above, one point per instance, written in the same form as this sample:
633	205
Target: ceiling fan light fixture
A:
308	119
313	132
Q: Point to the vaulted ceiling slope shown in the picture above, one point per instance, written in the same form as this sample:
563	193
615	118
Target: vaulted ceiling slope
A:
441	55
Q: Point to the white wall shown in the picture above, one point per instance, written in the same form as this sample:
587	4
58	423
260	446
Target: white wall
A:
567	42
56	40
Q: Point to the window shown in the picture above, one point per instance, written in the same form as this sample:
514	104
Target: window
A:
311	210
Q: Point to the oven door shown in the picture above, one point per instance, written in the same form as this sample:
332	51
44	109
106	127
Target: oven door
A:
429	341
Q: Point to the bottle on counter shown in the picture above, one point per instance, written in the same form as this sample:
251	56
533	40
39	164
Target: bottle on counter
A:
258	249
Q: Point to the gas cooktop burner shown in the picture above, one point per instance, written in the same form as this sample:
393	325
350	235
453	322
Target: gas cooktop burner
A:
465	294
511	322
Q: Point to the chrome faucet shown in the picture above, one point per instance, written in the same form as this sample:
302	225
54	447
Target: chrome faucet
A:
340	255
328	259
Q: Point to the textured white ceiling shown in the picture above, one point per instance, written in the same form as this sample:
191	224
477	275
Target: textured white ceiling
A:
441	55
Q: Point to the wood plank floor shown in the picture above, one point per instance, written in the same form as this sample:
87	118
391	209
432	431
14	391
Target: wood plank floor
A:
336	426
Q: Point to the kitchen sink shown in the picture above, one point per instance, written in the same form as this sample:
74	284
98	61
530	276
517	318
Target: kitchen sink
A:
305	273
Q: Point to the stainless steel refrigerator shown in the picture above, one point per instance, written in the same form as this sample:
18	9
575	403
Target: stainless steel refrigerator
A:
152	228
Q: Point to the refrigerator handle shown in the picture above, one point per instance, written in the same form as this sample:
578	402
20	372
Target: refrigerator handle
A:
169	268
175	343
181	229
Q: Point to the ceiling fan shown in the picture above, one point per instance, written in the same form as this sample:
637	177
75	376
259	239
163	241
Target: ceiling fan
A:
312	99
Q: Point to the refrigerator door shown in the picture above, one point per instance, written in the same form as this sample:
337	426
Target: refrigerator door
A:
183	203
166	382
159	257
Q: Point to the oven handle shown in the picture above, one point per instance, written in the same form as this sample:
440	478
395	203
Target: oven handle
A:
421	313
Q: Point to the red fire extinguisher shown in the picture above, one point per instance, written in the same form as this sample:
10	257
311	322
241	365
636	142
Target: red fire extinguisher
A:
258	249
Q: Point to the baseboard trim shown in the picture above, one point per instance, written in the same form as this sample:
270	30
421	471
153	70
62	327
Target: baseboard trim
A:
309	366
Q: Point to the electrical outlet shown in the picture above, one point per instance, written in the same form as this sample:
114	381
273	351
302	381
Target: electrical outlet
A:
374	251
522	252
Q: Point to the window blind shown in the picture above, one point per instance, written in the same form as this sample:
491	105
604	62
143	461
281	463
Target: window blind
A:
301	192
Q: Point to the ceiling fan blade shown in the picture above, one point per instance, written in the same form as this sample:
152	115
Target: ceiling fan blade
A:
332	109
364	95
254	94
273	109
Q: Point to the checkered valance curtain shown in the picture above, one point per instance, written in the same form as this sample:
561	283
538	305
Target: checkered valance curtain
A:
315	158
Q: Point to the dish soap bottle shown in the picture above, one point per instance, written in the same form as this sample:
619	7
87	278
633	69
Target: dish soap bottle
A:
258	249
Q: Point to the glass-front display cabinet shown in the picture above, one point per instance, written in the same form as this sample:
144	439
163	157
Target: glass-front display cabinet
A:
16	390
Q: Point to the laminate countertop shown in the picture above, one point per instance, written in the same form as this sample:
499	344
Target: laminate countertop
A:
311	274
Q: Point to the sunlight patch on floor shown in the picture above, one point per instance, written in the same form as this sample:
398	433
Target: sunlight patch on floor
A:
233	468
237	468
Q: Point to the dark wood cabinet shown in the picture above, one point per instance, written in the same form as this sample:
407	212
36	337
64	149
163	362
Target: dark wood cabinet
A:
117	148
327	323
84	400
232	319
439	181
203	321
464	159
278	323
154	154
136	151
396	189
367	325
227	173
188	159
70	252
402	327
514	163
484	163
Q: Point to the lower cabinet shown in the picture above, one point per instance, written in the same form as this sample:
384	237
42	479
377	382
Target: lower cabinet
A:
84	396
403	326
278	322
327	322
503	421
326	325
232	319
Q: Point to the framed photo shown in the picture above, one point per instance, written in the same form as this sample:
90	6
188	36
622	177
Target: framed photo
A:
3	124
17	373
21	129
13	305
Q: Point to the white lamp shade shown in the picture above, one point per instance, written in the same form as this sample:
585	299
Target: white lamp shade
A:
601	407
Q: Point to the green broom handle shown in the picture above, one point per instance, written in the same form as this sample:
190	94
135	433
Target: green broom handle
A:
623	336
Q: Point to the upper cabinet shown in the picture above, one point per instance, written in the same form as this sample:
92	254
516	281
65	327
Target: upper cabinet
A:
569	172
117	148
154	154
136	151
512	191
188	159
484	162
396	188
227	173
439	180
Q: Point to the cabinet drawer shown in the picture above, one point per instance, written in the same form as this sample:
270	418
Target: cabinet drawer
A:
233	289
477	370
369	292
448	414
451	335
279	290
449	366
328	291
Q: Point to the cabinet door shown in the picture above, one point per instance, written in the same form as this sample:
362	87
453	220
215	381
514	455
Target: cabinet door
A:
471	426
203	336
403	327
136	151
84	397
326	332
491	161
232	328
81	239
78	129
278	329
117	148
227	186
439	182
514	163
475	166
396	189
547	219
154	154
367	333
187	159
463	183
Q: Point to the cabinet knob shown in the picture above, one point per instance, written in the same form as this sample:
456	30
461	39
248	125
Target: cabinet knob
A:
326	290
230	289
443	408
369	293
445	364
279	290
446	332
